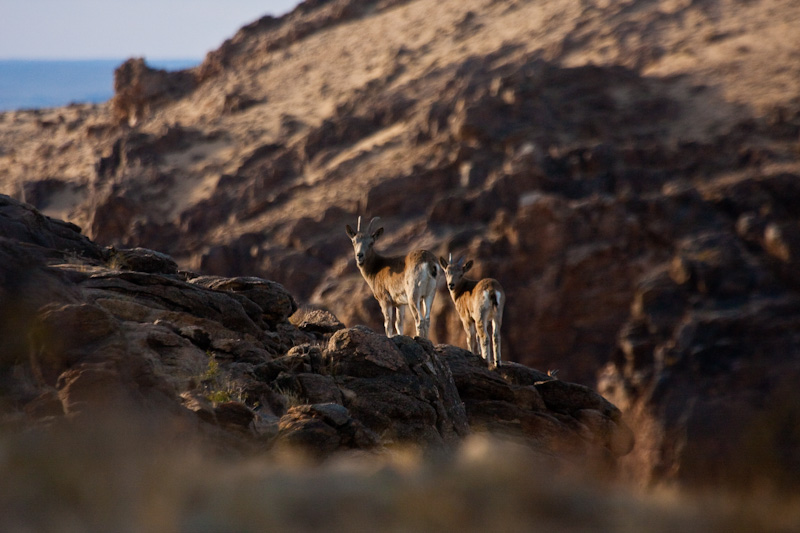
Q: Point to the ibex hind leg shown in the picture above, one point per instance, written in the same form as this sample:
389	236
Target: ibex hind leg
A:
423	327
497	321
399	313
422	319
496	350
412	307
426	305
416	308
485	343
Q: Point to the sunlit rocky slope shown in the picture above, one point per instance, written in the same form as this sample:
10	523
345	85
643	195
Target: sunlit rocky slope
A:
627	170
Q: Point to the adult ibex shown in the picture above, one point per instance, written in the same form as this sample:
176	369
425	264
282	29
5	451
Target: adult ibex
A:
479	305
396	281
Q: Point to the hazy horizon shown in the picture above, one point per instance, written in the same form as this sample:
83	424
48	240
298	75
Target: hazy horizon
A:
53	30
45	83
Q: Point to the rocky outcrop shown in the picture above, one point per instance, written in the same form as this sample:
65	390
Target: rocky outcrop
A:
637	202
114	331
140	89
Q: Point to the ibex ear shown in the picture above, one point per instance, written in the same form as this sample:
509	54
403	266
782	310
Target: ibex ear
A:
443	262
378	233
468	265
350	232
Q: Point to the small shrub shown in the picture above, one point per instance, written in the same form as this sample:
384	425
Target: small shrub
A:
218	386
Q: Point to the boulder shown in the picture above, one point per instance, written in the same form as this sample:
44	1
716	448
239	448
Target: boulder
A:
275	302
323	428
319	322
141	260
396	386
25	224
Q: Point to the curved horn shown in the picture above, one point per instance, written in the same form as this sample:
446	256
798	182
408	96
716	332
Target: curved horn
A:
371	222
460	261
358	228
450	259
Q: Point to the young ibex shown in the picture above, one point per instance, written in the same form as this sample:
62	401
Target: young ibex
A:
396	281
479	304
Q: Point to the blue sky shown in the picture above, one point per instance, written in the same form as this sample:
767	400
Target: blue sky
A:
119	29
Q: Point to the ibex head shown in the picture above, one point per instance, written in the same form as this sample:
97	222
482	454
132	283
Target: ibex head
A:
454	272
363	241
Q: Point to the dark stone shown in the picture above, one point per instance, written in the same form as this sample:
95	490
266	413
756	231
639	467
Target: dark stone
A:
141	260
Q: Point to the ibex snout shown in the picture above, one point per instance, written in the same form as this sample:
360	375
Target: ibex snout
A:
360	258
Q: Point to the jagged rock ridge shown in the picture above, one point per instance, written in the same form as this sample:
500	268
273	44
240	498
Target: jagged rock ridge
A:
116	330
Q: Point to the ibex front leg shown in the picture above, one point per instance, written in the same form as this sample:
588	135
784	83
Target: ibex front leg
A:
388	318
472	338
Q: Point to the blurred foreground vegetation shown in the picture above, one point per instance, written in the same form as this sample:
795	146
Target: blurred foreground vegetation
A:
125	475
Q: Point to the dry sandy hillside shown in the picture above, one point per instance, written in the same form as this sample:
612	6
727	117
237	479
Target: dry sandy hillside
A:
445	119
723	60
